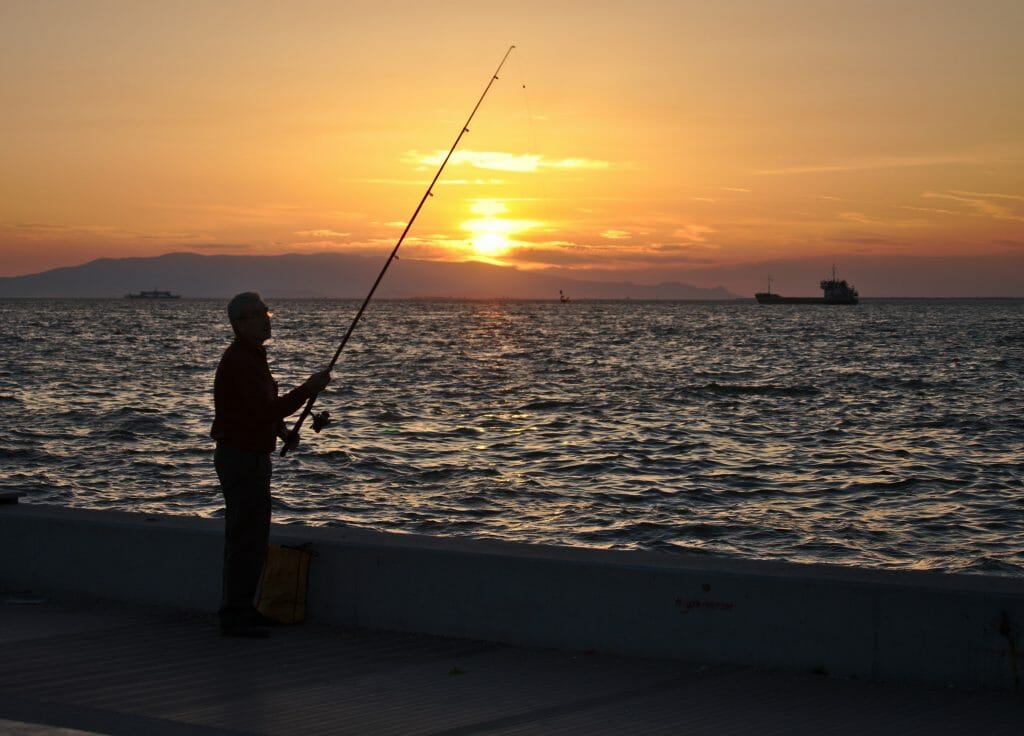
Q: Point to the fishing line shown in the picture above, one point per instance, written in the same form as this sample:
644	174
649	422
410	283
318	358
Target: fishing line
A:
320	420
545	199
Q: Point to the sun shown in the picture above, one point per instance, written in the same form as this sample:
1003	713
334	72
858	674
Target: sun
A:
489	234
490	243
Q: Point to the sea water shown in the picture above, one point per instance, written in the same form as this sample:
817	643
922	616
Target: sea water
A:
885	435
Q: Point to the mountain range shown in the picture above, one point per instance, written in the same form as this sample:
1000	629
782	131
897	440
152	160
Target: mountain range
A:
325	275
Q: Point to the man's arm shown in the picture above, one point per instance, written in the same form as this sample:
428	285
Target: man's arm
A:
288	404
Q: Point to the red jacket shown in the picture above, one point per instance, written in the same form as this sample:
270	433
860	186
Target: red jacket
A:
248	413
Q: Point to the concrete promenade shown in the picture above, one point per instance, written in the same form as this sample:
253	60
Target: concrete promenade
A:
901	627
106	626
74	665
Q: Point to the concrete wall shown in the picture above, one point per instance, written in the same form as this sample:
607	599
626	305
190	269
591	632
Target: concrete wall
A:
886	626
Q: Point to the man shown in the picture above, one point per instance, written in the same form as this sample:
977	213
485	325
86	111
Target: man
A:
248	418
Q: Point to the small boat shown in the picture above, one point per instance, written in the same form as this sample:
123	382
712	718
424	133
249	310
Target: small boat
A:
154	294
836	291
562	297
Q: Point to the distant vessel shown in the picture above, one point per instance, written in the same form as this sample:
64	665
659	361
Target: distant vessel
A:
154	294
562	297
837	291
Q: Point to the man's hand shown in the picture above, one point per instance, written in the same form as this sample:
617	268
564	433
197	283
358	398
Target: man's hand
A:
291	441
318	382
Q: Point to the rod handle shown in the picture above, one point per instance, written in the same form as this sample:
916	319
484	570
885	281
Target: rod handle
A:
298	425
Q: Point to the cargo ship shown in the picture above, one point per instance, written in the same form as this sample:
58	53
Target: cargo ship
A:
836	291
154	294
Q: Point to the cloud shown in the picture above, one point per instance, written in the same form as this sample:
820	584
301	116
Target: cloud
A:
930	210
50	229
499	161
308	245
679	253
874	163
991	195
865	240
42	230
616	234
859	217
421	181
216	248
693	233
321	234
683	248
273	211
603	258
983	204
472	182
575	163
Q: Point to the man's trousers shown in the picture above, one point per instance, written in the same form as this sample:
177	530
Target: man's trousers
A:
245	481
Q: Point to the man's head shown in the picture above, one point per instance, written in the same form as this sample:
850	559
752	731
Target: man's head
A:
250	318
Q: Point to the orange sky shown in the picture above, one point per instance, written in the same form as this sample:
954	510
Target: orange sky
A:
712	143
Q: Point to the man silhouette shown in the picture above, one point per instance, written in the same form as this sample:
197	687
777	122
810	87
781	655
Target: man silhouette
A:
248	419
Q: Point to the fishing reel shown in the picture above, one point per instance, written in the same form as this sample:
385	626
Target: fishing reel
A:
320	420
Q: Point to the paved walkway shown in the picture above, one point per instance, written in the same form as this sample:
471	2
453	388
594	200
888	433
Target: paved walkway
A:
73	667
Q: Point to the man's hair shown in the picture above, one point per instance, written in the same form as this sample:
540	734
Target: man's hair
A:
241	302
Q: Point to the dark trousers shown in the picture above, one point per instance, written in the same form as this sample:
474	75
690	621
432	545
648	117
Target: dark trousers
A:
245	480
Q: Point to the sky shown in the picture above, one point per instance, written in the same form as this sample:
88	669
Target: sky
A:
714	143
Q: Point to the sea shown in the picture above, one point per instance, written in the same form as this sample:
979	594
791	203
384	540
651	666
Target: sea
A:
884	435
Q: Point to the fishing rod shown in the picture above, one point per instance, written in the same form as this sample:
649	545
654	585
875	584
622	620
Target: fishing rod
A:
320	420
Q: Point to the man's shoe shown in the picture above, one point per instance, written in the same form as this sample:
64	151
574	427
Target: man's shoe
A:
247	631
256	618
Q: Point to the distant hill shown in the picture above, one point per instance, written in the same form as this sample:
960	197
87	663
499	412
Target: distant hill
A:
324	275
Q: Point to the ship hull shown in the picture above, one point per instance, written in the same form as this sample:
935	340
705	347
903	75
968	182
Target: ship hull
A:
154	295
763	298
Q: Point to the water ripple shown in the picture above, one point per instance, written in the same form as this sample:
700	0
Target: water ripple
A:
886	436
